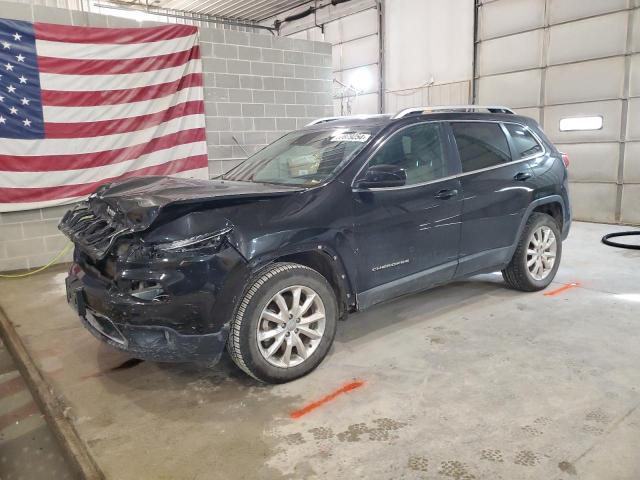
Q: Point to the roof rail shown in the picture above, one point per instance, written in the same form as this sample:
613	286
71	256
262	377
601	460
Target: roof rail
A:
453	108
332	119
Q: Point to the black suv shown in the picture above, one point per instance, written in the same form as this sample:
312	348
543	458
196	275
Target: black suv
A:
333	218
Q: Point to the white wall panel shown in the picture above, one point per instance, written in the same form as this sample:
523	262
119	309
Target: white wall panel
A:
504	17
611	112
361	104
595	202
564	10
587	39
355	53
427	40
631	204
584	81
635	42
634	76
520	89
592	162
366	78
352	27
529	112
457	93
511	53
633	119
632	163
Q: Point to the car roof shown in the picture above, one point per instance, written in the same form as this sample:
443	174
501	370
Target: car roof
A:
377	122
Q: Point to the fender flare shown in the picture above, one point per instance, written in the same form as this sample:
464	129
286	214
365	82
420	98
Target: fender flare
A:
529	210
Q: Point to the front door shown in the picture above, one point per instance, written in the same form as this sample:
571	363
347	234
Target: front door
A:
497	191
408	236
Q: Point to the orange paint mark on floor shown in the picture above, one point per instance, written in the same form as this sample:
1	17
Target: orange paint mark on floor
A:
561	289
318	403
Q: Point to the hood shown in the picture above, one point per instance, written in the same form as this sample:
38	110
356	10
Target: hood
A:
138	202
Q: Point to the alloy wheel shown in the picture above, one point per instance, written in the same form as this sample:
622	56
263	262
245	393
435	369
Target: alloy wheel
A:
291	326
541	252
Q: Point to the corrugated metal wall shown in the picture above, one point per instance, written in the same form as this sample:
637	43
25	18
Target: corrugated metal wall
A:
553	59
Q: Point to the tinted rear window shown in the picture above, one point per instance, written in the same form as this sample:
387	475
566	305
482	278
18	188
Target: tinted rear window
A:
524	143
480	145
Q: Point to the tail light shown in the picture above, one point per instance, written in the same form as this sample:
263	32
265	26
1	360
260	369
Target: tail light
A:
565	160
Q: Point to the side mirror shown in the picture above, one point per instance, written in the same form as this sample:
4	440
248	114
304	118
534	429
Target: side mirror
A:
382	176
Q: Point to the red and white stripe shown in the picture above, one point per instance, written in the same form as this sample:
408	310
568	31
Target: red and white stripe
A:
117	103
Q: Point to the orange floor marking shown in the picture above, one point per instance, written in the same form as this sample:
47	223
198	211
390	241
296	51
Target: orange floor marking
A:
318	403
561	289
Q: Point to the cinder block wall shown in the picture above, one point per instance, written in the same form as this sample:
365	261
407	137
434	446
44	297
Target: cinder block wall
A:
257	87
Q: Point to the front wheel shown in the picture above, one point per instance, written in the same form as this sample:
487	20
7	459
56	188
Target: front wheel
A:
537	256
285	323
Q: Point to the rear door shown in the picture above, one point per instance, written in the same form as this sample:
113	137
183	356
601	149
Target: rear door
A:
497	190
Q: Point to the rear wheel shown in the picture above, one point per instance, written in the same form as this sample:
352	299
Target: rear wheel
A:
537	256
285	323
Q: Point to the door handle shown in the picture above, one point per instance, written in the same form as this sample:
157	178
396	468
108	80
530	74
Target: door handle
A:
522	176
445	194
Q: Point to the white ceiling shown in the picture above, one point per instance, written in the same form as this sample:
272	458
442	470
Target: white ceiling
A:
245	10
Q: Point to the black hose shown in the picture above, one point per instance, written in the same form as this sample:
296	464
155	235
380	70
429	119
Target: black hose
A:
606	240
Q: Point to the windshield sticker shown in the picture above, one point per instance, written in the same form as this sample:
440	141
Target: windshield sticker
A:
350	137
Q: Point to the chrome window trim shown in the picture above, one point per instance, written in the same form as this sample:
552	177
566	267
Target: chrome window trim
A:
450	177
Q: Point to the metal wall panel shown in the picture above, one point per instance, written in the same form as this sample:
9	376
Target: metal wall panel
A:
635	39
529	112
504	17
593	201
355	53
352	27
353	76
456	93
520	89
511	53
611	112
584	81
427	41
631	204
632	163
588	39
592	162
564	10
634	76
633	119
360	104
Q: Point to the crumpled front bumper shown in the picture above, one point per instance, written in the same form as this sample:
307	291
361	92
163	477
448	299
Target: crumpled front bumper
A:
148	342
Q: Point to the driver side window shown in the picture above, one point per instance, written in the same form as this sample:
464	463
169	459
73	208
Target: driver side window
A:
418	150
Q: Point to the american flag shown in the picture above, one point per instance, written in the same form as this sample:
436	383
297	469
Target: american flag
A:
82	106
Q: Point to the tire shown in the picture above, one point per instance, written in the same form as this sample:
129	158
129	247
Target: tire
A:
518	274
259	313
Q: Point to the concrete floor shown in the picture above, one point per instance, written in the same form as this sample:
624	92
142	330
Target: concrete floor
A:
467	381
28	449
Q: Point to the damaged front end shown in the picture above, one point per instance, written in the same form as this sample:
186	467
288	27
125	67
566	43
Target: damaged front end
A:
163	293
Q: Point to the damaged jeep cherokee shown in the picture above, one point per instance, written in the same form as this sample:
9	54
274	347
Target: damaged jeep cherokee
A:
330	219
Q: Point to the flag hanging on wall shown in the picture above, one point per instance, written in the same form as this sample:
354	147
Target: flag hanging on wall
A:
82	106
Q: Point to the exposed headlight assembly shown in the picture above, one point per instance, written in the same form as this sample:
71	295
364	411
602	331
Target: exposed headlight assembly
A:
211	241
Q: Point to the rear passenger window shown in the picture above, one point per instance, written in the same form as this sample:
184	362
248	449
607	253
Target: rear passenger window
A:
524	142
481	145
418	150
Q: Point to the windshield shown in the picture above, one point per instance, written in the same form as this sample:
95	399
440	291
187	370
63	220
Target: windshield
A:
302	158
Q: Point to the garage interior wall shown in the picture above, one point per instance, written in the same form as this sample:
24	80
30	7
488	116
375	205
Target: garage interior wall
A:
257	87
554	59
425	48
